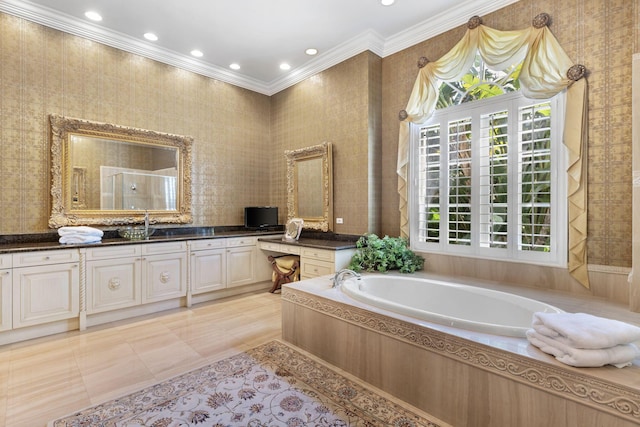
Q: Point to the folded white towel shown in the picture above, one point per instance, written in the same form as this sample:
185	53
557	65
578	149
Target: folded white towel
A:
71	239
619	356
581	330
80	230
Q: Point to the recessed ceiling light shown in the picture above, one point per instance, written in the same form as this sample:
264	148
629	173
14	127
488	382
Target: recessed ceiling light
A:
197	53
311	51
150	36
234	66
284	66
387	2
94	16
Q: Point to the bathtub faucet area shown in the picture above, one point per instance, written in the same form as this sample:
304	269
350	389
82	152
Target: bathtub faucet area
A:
340	275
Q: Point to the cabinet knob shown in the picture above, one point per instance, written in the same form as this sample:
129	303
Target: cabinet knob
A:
165	277
114	283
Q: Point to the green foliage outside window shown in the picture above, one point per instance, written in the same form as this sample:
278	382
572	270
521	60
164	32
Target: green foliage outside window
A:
535	187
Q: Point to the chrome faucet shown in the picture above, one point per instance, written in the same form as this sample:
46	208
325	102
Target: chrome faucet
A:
146	224
338	278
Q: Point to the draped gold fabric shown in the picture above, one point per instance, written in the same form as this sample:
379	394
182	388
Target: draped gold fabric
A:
544	74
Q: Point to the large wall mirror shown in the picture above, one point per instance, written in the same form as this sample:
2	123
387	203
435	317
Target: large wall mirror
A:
105	174
310	186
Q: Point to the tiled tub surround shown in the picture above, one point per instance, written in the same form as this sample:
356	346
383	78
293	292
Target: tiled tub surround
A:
465	378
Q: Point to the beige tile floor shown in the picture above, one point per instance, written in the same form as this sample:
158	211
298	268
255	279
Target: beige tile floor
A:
46	378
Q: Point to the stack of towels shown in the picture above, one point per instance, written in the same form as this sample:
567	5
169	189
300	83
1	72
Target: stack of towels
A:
583	340
79	235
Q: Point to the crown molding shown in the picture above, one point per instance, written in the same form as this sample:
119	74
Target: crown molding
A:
441	23
369	40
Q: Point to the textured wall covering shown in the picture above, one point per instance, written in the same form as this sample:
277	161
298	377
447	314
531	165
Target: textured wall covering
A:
240	136
601	34
339	105
45	71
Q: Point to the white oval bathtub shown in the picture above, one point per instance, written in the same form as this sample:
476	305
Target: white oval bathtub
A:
461	306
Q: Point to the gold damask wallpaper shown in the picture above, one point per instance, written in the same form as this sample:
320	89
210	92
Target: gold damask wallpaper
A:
44	71
240	136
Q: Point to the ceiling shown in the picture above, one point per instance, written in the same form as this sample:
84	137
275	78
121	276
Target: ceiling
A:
258	35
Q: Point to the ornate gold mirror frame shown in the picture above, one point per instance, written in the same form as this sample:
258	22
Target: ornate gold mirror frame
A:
77	178
310	186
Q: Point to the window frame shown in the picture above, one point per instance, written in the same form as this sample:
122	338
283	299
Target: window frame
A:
557	255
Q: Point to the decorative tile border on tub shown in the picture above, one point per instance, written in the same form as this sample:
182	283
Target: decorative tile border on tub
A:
599	394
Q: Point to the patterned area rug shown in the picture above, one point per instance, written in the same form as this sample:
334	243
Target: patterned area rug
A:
270	385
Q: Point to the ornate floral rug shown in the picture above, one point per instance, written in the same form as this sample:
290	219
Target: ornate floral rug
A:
270	385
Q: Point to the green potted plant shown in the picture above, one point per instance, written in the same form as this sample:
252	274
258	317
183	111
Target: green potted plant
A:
382	254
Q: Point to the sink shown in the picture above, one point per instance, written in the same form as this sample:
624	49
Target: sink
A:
136	232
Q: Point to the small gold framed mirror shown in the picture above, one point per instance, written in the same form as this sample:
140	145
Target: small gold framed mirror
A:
310	186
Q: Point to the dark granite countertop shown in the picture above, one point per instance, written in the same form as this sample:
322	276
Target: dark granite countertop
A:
49	240
307	242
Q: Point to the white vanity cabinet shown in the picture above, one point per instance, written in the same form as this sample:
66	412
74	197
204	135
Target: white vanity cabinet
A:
208	260
226	263
50	291
130	275
113	277
45	286
164	271
6	305
314	262
241	261
318	262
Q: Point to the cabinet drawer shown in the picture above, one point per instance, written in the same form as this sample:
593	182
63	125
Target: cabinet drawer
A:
290	249
312	268
107	252
163	248
5	261
271	246
318	254
199	245
44	258
241	241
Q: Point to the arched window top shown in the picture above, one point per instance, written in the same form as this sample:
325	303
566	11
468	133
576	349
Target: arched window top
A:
481	82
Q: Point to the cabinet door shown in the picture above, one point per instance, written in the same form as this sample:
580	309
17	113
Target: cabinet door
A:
5	300
113	284
45	293
208	270
241	266
164	277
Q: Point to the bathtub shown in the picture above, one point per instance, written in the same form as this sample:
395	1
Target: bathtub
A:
460	306
463	377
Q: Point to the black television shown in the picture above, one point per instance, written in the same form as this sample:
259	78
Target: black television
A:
260	217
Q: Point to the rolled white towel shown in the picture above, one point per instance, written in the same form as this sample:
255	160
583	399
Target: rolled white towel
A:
80	230
581	330
71	239
619	356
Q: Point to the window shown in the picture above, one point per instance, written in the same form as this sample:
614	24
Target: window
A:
487	180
